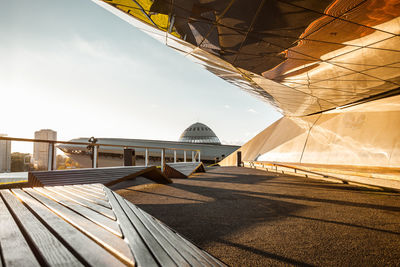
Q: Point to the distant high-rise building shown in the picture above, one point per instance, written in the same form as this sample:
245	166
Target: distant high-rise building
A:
5	155
41	150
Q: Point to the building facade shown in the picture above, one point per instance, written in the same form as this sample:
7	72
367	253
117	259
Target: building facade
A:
196	137
41	150
330	67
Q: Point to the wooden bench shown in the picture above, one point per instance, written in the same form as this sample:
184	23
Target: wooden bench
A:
183	169
107	176
13	177
87	225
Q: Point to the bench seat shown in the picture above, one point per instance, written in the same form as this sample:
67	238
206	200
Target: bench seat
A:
107	176
87	225
183	169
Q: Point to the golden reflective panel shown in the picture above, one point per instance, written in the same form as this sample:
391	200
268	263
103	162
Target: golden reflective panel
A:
331	67
360	143
303	57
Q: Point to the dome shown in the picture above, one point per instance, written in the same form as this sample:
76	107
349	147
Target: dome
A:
199	133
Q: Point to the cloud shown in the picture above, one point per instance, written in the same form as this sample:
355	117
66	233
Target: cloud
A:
252	111
227	106
99	50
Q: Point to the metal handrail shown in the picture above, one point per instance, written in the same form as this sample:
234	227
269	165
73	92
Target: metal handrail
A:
96	146
88	143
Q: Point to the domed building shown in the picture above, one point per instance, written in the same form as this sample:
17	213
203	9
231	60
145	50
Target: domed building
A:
199	133
197	136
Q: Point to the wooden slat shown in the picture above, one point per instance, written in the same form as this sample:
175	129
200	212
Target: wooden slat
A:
166	245
172	172
194	257
96	186
141	253
84	248
51	250
89	171
159	239
96	189
89	190
106	176
60	227
201	254
102	200
211	259
78	199
82	176
13	243
88	174
156	176
157	250
99	201
109	241
184	169
89	214
130	176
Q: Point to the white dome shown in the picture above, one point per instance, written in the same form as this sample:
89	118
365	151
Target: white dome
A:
199	133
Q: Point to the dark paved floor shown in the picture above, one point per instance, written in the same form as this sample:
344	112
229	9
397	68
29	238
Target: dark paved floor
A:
249	217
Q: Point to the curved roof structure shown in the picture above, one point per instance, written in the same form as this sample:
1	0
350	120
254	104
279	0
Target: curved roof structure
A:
199	133
303	57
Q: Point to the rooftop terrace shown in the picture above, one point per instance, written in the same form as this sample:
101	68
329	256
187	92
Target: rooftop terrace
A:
249	217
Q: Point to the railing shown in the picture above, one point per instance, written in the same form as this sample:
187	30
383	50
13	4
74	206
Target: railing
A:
93	148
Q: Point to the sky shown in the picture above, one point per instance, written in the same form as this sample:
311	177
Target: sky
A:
74	67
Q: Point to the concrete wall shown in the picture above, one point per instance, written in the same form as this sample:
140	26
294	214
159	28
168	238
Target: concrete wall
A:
364	135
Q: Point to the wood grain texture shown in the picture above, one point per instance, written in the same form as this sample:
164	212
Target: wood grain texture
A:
99	219
183	169
201	255
107	176
87	191
156	249
101	236
141	252
158	236
50	248
56	226
195	258
13	243
96	189
171	172
76	190
157	176
84	202
84	248
101	200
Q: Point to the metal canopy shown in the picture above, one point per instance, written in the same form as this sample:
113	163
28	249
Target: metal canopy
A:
303	56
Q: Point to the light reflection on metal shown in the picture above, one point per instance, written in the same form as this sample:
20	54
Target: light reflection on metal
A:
171	24
95	152
162	159
199	133
144	13
92	148
50	158
302	57
146	157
